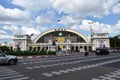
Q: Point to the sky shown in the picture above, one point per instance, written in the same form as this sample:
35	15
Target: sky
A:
37	16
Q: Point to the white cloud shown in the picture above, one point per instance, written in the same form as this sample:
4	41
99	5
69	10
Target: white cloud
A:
69	20
19	30
9	16
33	30
41	15
43	20
4	35
96	8
75	9
33	5
98	27
116	9
105	28
8	37
22	29
116	28
2	32
29	30
12	28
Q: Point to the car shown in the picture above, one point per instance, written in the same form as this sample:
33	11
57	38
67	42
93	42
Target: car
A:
102	51
7	59
119	50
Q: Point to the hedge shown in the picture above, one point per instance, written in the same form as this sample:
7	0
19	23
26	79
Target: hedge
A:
23	53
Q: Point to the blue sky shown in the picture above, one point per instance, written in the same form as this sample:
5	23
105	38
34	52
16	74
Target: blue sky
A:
37	16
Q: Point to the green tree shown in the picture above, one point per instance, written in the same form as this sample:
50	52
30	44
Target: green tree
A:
114	42
4	48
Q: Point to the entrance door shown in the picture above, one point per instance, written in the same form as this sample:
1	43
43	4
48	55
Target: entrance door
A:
76	48
72	48
59	48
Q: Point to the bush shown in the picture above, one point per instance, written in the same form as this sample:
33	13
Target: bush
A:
25	53
51	53
4	48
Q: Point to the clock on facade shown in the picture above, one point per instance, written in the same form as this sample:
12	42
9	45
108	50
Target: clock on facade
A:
60	34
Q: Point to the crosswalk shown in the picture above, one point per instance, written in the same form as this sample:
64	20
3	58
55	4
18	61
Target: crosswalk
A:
55	59
9	74
74	69
110	76
51	67
66	63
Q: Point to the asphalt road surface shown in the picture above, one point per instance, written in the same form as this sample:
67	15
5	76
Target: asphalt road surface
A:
72	67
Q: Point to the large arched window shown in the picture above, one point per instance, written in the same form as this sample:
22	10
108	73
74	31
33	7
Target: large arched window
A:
65	34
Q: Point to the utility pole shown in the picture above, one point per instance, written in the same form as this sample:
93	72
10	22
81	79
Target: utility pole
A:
91	32
91	29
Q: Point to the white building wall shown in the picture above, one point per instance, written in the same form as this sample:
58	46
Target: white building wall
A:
21	41
100	40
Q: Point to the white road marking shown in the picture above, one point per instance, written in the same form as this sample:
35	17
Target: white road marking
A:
86	67
9	77
55	60
47	74
111	76
36	66
57	73
72	70
5	70
29	67
63	71
10	74
67	63
23	78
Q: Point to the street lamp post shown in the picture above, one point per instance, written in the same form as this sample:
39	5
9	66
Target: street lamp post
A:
91	32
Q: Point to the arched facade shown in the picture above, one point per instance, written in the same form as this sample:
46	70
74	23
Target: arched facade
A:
63	38
56	33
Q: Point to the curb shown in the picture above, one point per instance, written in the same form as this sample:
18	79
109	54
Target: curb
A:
30	57
34	56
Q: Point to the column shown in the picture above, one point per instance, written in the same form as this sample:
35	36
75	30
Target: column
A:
74	48
88	48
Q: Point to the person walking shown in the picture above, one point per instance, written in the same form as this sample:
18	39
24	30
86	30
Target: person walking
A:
86	53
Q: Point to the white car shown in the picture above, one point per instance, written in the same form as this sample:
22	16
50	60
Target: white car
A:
7	59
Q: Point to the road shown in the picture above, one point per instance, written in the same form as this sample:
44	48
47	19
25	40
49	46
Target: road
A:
72	67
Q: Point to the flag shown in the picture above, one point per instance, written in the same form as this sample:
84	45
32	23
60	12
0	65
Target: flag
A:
58	20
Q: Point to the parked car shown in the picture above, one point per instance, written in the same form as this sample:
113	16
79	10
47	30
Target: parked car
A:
119	50
102	51
7	59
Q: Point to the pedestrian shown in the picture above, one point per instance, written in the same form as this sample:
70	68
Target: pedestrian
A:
86	53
